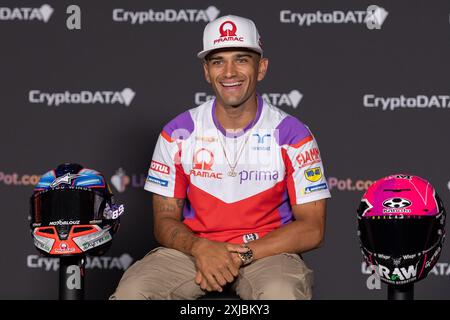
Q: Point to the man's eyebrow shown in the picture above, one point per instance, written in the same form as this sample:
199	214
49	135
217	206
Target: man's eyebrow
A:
241	55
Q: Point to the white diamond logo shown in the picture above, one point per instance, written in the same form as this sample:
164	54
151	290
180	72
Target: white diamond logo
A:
125	260
128	95
295	96
46	12
212	13
375	17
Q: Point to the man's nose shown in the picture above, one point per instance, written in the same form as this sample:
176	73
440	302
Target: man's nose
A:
230	69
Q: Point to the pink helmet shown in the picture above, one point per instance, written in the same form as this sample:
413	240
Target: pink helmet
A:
401	226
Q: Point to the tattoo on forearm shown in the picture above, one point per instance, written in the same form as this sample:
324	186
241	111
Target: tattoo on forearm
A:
161	204
180	203
173	236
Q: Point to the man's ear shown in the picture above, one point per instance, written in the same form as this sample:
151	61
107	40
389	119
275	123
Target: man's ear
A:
262	68
206	70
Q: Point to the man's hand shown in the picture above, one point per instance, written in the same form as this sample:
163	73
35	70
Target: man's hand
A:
217	263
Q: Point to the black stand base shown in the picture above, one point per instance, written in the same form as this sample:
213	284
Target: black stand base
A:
71	278
402	292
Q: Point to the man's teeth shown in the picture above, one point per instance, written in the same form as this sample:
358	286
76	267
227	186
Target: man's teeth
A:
232	84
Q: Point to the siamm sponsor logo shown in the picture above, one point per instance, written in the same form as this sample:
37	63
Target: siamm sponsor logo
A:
308	157
26	14
124	97
15	179
165	15
404	102
291	99
373	17
35	261
348	184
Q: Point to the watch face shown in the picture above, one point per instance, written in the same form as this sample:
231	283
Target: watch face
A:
246	257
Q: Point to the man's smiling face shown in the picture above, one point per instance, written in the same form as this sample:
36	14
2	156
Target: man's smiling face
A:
233	74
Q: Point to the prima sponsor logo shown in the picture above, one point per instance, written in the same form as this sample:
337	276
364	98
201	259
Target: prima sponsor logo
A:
124	97
166	15
26	14
258	175
102	263
373	17
291	99
403	102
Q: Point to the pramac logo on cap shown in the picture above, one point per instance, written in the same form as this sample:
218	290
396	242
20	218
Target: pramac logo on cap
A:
227	32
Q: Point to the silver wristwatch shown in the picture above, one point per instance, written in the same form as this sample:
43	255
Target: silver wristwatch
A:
246	257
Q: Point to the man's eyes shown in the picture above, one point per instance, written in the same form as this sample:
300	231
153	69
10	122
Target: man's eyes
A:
220	62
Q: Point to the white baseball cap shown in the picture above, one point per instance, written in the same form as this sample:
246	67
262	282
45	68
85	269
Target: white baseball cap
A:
230	32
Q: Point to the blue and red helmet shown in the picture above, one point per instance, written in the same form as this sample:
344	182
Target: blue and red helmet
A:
72	211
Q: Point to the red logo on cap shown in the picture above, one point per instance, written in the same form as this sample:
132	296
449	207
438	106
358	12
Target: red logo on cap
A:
228	28
227	32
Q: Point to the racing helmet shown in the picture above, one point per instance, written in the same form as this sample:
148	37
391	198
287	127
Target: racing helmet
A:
401	227
72	212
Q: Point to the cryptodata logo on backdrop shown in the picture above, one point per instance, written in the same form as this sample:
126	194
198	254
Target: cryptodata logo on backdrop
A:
165	15
26	14
291	99
124	97
404	102
35	261
373	17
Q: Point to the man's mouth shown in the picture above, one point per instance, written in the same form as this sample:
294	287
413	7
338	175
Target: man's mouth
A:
232	84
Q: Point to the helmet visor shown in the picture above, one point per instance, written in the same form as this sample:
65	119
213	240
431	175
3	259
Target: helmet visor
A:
67	204
395	237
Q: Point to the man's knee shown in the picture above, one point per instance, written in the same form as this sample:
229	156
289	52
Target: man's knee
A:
132	290
286	289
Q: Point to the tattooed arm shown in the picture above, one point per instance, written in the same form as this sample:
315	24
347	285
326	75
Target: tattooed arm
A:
168	228
216	262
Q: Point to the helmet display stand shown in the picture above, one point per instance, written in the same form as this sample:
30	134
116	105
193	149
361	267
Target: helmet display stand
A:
401	292
71	277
